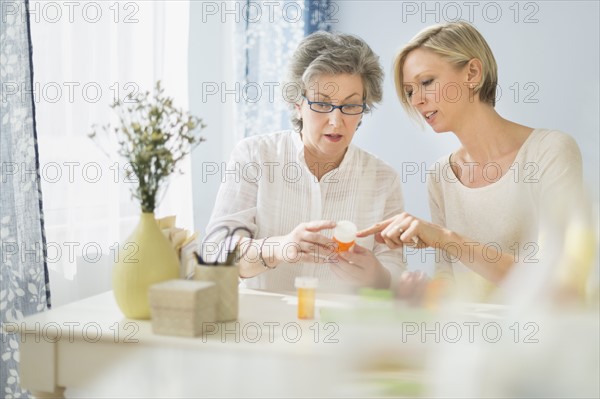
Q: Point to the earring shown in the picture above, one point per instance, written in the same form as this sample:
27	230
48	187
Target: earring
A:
471	86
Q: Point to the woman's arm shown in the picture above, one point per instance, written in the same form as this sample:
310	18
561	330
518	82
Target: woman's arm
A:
235	207
408	230
303	244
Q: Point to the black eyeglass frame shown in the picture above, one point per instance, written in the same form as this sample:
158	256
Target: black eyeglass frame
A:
334	107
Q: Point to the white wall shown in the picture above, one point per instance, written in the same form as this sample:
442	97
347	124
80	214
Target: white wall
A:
555	53
548	77
557	56
210	62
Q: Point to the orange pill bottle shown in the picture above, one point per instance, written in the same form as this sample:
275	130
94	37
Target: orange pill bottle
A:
344	235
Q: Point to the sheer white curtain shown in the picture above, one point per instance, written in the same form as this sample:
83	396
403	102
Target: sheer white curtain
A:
86	54
267	45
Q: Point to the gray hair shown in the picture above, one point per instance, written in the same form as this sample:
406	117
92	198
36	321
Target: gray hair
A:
325	53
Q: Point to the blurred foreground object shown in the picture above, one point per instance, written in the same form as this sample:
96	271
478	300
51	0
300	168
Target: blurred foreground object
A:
549	344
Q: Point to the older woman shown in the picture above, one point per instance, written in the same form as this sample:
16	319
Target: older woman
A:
299	183
485	197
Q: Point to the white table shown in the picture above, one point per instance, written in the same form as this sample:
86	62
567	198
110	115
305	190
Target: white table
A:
90	349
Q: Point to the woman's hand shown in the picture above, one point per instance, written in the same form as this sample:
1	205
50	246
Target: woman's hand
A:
303	244
411	286
405	229
360	266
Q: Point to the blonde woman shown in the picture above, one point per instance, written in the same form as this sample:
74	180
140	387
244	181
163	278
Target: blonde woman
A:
485	196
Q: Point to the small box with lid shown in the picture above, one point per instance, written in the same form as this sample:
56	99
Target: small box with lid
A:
180	307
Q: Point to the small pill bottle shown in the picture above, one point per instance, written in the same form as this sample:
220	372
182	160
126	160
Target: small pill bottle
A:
344	235
307	287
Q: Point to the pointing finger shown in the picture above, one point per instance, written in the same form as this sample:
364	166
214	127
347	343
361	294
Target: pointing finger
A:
376	228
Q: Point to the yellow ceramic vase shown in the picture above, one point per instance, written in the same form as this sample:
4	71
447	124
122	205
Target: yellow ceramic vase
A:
145	258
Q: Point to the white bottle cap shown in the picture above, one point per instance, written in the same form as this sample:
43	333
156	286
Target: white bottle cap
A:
345	231
306	282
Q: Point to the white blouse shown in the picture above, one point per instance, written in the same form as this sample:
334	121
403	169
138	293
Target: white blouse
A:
269	189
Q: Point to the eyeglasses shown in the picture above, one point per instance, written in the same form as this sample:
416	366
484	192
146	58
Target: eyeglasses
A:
325	108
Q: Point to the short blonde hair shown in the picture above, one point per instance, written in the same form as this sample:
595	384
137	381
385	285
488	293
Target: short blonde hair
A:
458	43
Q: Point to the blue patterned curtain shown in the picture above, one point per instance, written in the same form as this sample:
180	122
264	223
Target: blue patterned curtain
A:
23	275
319	15
267	37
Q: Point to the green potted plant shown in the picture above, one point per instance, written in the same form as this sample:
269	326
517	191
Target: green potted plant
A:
153	136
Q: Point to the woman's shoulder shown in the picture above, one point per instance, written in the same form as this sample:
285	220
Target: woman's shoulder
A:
544	143
435	169
542	136
369	161
267	145
439	172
